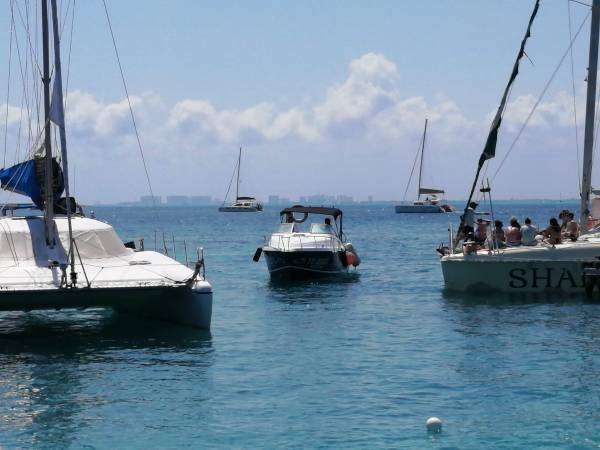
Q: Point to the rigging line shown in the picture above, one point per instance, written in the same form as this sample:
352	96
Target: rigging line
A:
540	97
575	123
36	90
137	135
581	3
26	26
30	57
8	88
412	171
24	96
69	55
230	182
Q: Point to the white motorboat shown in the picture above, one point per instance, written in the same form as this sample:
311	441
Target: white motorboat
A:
62	259
241	204
431	203
301	249
569	267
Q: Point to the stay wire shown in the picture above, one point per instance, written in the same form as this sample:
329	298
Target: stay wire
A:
8	87
412	171
540	97
575	123
230	182
137	135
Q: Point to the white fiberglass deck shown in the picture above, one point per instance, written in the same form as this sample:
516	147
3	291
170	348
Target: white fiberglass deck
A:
540	268
27	263
289	240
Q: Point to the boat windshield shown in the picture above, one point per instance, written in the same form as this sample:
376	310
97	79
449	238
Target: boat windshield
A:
285	228
321	228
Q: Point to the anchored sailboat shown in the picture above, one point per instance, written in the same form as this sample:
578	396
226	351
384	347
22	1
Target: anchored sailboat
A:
241	204
63	259
569	267
431	202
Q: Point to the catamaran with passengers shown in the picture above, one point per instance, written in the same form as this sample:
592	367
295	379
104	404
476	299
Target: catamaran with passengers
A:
302	248
548	267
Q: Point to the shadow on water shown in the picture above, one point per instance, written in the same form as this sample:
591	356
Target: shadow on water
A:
53	367
501	299
93	330
307	290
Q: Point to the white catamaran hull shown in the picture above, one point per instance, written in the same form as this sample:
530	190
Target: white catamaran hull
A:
181	305
239	209
423	209
109	275
541	269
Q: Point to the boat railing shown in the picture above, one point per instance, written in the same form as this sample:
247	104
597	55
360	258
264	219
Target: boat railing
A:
303	241
168	247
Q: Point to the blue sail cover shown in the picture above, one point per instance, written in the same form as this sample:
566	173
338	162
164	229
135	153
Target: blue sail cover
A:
22	179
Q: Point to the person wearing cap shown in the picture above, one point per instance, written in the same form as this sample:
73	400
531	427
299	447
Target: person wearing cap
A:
528	233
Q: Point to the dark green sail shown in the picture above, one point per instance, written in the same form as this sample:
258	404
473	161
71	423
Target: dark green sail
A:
489	151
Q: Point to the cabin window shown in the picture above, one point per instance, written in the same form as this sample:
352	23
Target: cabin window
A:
285	228
320	228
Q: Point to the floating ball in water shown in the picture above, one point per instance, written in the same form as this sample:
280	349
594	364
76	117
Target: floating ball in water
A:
434	425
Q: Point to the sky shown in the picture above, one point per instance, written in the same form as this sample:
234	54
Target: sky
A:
324	97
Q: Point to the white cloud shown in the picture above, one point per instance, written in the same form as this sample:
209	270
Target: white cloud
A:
369	89
365	124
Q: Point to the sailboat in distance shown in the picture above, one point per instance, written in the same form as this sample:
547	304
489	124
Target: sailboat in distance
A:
241	203
62	259
431	202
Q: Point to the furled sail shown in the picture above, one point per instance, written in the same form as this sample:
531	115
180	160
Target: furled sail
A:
489	151
26	178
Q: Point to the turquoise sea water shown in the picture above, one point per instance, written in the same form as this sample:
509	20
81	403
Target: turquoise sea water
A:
359	363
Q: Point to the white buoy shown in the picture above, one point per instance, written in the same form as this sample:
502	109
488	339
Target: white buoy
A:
434	425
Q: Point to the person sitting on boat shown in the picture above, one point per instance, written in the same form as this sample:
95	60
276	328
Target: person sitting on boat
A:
564	218
513	233
552	233
498	235
327	227
481	231
571	230
469	221
528	233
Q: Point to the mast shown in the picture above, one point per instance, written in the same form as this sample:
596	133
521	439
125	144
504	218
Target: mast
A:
237	184
58	108
588	146
422	156
48	184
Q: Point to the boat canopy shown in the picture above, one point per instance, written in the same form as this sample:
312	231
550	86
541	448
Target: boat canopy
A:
245	198
22	241
334	212
430	191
